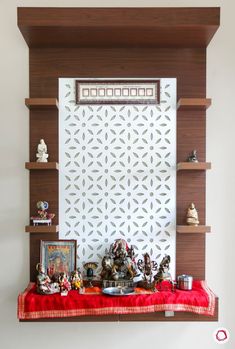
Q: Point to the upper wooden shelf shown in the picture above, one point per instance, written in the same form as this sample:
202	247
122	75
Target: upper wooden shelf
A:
158	26
193	103
188	229
42	228
42	165
194	166
42	103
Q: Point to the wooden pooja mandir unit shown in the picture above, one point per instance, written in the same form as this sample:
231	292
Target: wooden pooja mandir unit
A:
117	43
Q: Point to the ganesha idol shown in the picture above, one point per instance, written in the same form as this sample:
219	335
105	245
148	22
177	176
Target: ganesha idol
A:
118	264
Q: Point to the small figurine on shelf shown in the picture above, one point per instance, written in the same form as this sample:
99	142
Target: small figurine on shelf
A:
44	284
193	157
64	284
42	155
76	280
192	215
43	216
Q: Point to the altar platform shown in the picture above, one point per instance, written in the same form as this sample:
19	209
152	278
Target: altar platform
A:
201	303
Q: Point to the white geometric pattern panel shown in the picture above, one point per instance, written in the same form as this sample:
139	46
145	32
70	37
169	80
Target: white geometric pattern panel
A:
118	174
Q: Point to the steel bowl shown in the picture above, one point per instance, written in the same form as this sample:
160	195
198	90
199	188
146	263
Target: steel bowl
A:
185	282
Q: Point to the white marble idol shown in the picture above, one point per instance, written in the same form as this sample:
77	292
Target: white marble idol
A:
42	155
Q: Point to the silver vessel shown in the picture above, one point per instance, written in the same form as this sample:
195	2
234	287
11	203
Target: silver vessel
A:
185	282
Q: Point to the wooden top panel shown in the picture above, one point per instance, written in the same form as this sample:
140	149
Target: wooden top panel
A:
74	27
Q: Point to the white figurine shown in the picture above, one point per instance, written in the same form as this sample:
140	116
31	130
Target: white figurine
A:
42	155
192	215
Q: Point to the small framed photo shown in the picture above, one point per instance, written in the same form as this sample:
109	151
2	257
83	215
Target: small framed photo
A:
58	256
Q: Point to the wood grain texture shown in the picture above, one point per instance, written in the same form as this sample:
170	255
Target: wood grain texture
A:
187	65
194	103
193	166
41	229
44	187
44	124
42	166
189	229
42	103
73	27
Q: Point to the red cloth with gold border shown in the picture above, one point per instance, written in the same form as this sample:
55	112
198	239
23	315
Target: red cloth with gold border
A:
201	300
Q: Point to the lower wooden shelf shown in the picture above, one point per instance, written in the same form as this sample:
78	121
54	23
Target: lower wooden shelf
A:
188	229
42	228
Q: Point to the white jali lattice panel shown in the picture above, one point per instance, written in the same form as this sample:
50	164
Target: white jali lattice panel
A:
118	174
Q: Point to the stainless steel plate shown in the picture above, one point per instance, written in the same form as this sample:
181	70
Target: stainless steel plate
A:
119	291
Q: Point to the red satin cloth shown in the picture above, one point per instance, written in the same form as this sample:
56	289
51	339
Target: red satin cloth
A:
201	300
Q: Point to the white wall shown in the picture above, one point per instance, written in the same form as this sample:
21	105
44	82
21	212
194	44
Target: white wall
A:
14	197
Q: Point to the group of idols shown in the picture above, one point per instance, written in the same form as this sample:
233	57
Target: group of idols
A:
118	265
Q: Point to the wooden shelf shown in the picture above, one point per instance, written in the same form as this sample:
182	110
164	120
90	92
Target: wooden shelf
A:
42	166
188	229
193	103
194	166
41	228
42	103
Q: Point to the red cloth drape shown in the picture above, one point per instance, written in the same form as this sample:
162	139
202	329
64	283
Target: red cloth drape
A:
31	305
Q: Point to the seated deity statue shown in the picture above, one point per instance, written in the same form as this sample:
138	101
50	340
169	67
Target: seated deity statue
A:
44	283
42	155
193	157
119	263
192	215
